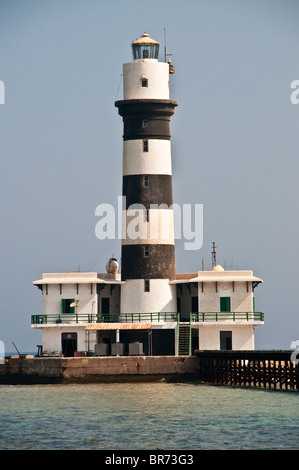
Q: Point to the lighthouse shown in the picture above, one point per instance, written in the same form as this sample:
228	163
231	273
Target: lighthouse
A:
148	249
148	308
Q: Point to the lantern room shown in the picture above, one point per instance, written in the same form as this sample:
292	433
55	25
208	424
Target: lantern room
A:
145	48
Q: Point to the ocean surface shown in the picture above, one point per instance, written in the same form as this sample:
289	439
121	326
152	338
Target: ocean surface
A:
150	416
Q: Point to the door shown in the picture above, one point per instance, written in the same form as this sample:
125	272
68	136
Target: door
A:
226	340
105	305
194	304
68	344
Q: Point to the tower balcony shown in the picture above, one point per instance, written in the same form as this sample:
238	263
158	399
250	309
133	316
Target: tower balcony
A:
39	321
227	317
152	317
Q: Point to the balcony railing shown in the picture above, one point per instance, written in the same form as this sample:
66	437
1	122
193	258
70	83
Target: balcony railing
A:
104	317
226	316
195	317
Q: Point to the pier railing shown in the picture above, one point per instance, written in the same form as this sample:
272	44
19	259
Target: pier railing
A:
104	317
226	316
259	369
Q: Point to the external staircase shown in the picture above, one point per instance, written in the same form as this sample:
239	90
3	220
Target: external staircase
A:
184	339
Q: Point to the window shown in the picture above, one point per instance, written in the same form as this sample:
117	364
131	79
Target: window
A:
144	82
144	123
145	145
146	251
146	181
146	285
224	304
66	306
226	340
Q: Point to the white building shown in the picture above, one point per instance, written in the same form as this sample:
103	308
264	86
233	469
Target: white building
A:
147	308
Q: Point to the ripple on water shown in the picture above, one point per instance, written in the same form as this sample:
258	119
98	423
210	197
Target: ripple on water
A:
146	416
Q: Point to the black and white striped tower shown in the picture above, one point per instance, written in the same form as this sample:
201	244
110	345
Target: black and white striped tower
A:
148	251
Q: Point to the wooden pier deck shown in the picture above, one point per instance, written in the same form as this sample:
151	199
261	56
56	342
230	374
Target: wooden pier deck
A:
261	369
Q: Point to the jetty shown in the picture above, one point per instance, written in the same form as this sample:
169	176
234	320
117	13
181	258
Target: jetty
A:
274	370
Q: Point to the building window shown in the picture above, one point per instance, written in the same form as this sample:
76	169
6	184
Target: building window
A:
225	304
146	251
144	82
226	340
146	180
66	306
144	123
146	285
145	145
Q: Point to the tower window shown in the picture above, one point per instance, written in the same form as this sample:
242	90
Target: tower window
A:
146	285
146	251
145	145
144	82
144	123
146	180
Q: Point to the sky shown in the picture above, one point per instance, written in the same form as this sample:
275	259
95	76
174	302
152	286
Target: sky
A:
235	142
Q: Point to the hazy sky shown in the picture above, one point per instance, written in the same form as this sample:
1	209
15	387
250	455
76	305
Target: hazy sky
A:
235	142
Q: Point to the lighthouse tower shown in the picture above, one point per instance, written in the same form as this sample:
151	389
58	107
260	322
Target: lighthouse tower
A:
148	251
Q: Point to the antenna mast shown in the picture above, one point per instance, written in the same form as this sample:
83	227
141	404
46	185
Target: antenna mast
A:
214	255
165	54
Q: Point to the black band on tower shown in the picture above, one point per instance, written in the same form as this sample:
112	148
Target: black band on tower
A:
146	119
159	264
147	190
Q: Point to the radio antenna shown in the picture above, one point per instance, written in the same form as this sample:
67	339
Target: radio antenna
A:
165	54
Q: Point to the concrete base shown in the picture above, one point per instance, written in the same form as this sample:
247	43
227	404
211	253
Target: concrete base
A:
49	370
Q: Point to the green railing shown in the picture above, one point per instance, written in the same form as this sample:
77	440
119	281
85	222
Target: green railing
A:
225	316
104	317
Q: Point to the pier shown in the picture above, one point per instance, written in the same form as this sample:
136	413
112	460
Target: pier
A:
257	369
260	369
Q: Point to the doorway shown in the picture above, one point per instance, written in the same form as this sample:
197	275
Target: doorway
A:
68	344
105	305
226	340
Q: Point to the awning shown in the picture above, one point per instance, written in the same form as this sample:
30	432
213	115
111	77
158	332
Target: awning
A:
118	326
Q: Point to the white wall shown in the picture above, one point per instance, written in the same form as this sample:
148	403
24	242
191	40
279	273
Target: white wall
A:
52	299
242	336
157	74
161	298
209	299
156	161
52	337
158	230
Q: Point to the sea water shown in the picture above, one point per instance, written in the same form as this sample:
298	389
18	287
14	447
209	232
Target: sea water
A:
147	416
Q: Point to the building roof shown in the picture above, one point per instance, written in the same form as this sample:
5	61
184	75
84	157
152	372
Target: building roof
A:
217	276
145	39
74	278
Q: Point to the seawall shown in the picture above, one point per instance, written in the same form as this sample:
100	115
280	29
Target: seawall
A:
258	369
61	370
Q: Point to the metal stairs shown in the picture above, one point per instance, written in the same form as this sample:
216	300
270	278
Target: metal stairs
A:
184	339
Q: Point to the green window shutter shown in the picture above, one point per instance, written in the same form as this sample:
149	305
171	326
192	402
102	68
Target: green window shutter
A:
72	309
65	306
224	304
